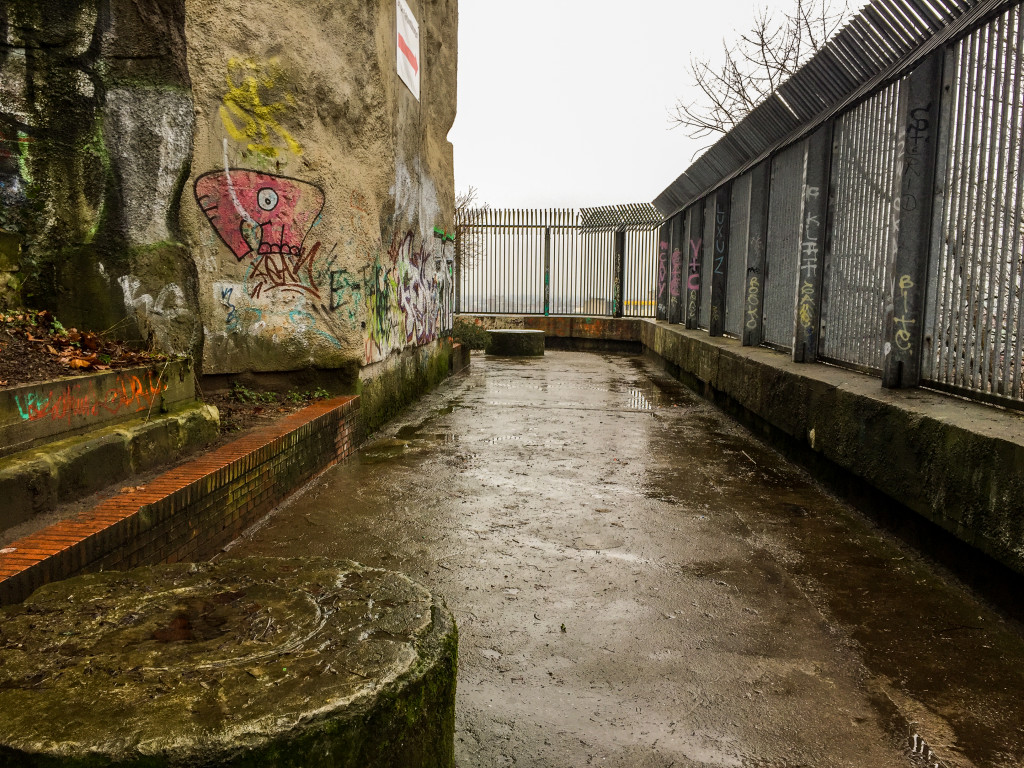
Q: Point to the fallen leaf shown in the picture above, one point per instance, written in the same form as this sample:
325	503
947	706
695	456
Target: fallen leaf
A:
77	362
51	350
133	488
101	367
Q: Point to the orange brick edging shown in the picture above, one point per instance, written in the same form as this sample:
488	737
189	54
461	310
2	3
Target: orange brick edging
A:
191	510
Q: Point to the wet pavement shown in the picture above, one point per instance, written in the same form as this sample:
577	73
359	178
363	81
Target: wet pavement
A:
640	582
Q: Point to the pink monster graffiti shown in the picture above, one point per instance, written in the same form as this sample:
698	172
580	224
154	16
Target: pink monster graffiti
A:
266	215
259	212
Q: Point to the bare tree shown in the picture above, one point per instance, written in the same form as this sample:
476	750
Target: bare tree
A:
774	47
467	211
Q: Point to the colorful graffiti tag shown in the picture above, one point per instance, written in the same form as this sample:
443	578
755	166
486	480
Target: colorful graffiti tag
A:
129	394
269	216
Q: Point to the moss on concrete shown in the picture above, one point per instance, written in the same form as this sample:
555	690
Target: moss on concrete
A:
254	662
389	387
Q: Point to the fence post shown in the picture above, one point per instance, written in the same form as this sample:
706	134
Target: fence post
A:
720	259
547	271
813	231
458	270
757	234
918	123
661	311
695	244
619	271
675	280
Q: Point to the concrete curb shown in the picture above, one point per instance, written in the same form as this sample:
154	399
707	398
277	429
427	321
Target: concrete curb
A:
37	480
38	413
190	510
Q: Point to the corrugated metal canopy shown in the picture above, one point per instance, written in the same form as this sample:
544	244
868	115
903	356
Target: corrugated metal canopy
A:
879	44
631	216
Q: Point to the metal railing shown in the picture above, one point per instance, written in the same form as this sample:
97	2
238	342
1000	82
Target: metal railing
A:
874	205
589	262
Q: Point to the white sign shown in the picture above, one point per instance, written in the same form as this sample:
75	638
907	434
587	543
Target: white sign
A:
408	48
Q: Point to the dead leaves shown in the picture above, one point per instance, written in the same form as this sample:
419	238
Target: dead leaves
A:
79	351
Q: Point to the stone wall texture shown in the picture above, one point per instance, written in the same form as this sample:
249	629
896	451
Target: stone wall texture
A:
251	185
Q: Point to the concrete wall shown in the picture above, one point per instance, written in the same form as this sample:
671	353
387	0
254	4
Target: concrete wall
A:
254	186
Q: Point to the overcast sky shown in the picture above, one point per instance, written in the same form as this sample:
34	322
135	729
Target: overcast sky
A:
564	103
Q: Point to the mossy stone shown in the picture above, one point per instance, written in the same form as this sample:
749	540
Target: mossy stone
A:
251	662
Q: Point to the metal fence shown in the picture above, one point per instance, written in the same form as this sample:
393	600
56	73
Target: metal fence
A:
589	262
874	204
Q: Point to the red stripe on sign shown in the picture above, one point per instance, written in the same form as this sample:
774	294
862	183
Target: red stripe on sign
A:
404	47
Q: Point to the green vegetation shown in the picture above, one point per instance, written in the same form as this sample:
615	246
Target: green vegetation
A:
470	335
247	396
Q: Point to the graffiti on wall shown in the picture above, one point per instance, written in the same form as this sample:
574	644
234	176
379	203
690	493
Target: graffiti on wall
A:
129	394
404	298
266	218
253	105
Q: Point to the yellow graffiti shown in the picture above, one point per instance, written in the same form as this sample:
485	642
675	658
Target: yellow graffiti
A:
251	109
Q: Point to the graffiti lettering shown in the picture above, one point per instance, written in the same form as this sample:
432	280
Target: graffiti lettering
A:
128	395
903	322
675	284
720	239
806	308
693	282
753	299
663	282
288	273
232	318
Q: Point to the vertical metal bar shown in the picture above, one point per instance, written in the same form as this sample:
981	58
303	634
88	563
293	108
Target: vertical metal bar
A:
547	270
1005	202
619	269
753	325
1014	377
720	259
695	215
978	264
956	131
813	241
988	322
917	153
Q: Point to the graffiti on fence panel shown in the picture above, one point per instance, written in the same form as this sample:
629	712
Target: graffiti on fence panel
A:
676	282
809	251
663	282
128	394
903	322
721	238
693	282
753	301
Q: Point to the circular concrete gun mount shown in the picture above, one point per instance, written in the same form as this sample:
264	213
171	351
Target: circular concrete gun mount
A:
514	342
253	662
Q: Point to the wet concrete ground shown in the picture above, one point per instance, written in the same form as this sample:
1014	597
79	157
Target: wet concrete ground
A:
640	582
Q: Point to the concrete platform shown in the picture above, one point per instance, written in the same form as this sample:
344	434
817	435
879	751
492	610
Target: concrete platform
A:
640	582
260	662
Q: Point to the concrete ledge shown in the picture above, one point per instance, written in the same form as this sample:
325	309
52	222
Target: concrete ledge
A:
957	463
37	413
576	333
37	480
191	510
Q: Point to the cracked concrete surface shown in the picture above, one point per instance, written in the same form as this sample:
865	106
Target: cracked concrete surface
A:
639	582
